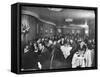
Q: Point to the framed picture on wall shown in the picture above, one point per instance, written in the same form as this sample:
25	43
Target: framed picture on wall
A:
52	38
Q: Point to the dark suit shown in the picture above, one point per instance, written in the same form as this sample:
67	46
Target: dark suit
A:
75	47
29	60
58	59
44	58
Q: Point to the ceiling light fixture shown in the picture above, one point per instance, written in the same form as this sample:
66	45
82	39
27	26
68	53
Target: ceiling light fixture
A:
68	20
55	9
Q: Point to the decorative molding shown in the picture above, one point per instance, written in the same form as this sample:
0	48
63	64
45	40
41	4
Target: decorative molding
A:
37	16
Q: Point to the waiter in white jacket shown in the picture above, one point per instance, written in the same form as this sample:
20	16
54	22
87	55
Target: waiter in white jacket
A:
78	60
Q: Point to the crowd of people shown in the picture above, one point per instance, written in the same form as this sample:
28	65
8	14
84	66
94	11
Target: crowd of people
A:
59	51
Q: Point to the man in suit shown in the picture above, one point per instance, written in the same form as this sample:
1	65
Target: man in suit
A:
44	58
57	58
29	59
73	50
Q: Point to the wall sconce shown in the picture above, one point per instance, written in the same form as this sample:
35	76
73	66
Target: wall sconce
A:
25	28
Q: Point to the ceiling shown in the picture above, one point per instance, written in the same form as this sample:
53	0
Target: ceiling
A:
79	16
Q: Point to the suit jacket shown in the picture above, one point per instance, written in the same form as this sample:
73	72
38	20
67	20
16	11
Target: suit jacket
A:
44	58
74	49
29	60
58	59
